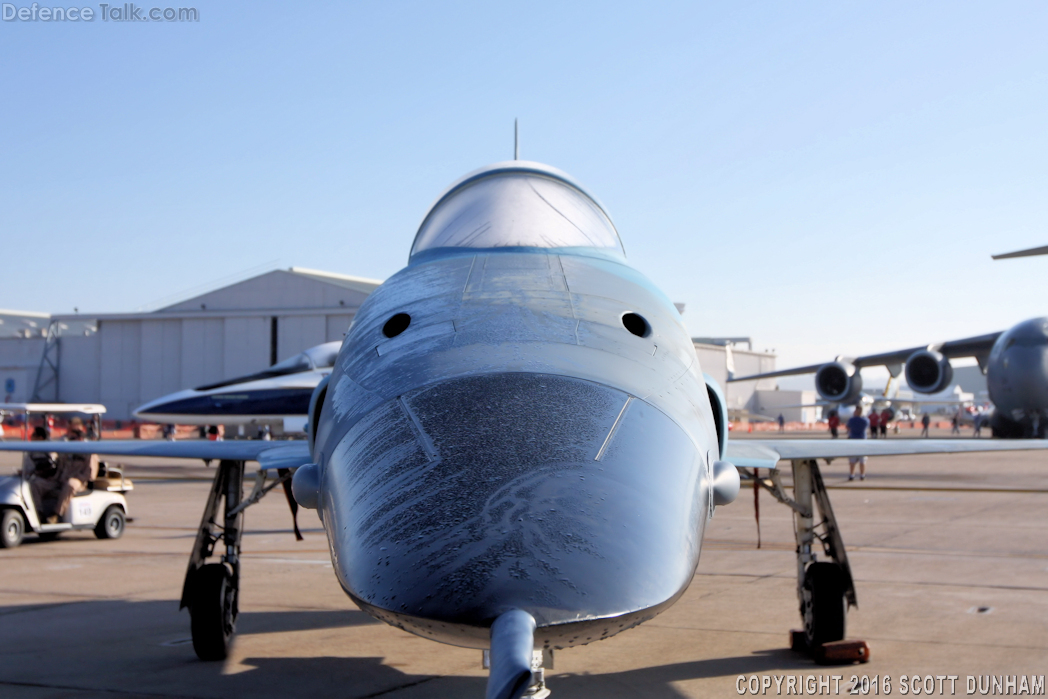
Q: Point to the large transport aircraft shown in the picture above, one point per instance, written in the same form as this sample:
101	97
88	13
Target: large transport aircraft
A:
272	396
516	450
1015	362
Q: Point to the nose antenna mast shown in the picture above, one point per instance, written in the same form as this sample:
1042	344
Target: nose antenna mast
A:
516	141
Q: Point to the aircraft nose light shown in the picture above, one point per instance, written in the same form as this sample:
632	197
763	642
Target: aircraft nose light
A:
636	324
305	486
726	482
396	325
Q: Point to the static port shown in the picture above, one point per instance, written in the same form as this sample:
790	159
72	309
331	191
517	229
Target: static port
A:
396	325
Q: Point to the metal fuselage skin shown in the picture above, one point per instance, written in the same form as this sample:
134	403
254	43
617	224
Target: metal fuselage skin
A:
1017	379
515	447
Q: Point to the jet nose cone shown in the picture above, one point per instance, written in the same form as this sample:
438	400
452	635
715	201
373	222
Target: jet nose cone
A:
164	404
559	496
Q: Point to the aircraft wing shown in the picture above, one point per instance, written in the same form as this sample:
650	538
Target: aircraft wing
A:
979	345
269	455
1022	253
766	453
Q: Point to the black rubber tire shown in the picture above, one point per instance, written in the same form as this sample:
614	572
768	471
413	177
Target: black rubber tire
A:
111	526
824	607
213	611
12	529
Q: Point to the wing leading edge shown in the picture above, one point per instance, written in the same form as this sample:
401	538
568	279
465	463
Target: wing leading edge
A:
267	454
765	453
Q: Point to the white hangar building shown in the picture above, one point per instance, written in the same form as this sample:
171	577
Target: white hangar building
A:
239	329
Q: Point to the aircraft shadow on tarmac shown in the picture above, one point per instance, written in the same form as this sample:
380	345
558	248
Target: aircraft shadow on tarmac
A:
150	639
364	678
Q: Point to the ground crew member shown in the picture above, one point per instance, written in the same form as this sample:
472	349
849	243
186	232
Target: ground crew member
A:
834	422
857	426
874	421
886	417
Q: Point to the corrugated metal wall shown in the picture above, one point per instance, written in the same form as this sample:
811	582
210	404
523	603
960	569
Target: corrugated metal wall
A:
129	362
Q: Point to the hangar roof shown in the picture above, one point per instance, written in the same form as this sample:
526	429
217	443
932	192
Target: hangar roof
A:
295	287
291	291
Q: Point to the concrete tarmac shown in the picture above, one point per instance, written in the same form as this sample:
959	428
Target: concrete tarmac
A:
949	554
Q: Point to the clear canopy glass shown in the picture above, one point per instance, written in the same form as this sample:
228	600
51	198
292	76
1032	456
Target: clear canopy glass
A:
516	208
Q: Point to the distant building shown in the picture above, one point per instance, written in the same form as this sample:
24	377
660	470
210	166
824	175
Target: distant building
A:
21	344
794	406
126	359
719	356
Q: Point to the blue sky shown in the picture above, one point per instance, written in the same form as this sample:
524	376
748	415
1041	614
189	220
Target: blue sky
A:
825	177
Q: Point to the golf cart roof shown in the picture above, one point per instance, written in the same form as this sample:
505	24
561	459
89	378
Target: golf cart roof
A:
83	408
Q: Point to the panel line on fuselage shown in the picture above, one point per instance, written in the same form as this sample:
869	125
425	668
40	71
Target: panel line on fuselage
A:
420	433
611	432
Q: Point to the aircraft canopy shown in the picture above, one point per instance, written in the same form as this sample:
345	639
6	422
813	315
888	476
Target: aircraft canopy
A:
517	204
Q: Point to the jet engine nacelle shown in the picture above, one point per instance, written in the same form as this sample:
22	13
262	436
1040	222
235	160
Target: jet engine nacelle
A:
838	382
928	371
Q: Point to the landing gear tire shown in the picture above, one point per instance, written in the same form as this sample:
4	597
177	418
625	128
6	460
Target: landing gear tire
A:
213	611
12	529
824	605
111	526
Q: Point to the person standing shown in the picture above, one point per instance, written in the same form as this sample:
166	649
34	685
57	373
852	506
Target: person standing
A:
874	421
926	421
886	417
834	421
956	423
857	426
782	423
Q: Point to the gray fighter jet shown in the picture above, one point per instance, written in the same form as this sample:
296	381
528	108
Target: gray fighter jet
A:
1015	362
516	449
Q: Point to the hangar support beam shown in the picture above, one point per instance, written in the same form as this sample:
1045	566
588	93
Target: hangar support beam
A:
45	390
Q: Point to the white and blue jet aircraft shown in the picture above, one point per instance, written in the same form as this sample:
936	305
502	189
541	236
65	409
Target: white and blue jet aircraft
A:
516	449
277	395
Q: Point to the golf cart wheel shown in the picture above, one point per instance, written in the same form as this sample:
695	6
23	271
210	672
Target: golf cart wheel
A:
111	526
12	529
213	611
824	604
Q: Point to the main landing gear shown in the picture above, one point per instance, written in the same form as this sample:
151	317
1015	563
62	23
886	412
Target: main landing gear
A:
825	589
211	589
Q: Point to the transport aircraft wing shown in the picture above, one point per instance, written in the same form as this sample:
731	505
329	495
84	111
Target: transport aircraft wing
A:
978	346
766	453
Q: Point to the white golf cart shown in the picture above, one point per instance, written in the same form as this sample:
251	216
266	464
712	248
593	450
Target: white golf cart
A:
101	507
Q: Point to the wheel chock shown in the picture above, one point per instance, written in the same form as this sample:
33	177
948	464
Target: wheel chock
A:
835	653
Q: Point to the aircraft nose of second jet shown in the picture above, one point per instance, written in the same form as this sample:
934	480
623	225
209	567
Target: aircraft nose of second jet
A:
560	496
